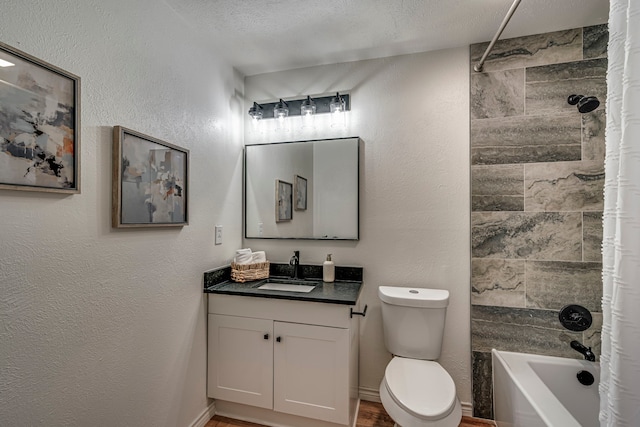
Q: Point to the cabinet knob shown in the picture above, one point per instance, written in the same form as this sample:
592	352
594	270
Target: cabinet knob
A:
266	336
278	339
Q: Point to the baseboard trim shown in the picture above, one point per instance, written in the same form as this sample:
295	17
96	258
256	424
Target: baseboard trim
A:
268	417
355	416
366	393
373	395
205	416
467	409
369	394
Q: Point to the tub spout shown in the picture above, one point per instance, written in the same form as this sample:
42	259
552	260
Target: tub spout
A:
585	351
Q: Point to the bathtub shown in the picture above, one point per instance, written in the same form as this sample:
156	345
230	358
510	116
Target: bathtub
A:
532	391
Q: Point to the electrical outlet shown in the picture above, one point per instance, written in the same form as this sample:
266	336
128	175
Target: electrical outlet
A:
218	234
260	229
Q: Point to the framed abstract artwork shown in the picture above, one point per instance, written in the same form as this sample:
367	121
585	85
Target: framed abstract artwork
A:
300	189
149	181
284	201
39	125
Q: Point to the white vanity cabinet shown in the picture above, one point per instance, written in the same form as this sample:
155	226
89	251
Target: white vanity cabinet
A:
274	361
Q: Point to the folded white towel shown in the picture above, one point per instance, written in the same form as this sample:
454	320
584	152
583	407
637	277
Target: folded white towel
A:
259	256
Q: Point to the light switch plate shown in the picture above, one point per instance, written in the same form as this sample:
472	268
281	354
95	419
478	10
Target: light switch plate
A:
218	234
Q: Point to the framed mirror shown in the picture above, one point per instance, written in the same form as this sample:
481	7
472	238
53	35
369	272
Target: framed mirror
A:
302	190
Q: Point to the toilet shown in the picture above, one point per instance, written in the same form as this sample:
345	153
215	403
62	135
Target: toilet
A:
416	391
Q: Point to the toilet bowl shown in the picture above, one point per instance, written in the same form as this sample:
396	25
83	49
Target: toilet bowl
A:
416	391
419	393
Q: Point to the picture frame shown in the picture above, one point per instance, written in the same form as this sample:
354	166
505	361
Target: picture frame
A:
149	181
300	190
284	201
39	125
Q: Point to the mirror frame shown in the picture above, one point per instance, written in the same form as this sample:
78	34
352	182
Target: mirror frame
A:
244	189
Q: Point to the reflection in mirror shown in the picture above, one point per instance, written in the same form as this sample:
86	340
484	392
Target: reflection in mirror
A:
323	203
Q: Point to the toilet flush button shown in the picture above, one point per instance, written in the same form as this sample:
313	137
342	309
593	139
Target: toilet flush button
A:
413	291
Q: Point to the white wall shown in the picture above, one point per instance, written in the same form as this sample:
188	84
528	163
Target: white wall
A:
413	114
106	327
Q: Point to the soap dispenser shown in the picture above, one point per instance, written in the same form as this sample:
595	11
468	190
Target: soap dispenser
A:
328	270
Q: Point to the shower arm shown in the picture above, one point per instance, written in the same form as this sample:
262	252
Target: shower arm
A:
505	21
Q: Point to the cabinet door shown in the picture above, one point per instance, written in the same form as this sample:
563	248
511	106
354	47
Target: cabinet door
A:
241	360
311	371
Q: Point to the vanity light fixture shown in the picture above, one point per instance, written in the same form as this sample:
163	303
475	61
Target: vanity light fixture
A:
256	111
281	110
305	107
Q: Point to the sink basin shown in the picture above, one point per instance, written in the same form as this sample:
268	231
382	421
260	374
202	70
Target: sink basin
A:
287	281
288	285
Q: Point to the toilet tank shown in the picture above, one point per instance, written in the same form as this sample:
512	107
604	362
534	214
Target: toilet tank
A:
413	320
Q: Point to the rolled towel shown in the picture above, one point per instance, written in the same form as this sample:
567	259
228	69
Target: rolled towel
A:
258	256
242	260
243	256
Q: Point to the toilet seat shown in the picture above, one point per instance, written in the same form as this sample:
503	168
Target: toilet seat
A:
421	387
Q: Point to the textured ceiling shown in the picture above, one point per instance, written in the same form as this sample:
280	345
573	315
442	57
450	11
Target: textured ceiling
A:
258	36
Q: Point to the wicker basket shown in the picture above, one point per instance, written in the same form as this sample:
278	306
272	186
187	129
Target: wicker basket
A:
248	272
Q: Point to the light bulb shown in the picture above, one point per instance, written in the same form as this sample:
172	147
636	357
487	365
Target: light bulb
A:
281	110
255	112
308	107
337	104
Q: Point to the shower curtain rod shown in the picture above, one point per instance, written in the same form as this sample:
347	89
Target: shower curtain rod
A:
505	21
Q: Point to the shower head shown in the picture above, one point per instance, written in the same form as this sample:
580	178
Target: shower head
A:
586	104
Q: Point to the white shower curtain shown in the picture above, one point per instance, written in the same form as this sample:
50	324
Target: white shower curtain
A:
620	359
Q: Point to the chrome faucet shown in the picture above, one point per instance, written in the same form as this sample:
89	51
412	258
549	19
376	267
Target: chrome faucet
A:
295	263
585	351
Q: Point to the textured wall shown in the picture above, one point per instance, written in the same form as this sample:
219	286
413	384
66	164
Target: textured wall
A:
537	172
412	113
105	327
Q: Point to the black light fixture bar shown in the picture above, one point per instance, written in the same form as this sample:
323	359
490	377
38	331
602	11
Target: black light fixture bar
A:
322	105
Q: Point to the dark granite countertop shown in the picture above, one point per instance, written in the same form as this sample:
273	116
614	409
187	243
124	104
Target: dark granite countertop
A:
345	290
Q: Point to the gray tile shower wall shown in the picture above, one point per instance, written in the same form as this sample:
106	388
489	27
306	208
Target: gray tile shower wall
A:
592	236
520	329
497	282
546	86
482	398
527	235
564	186
498	188
537	177
526	139
539	49
593	125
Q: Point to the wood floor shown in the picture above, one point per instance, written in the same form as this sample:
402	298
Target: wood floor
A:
371	414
